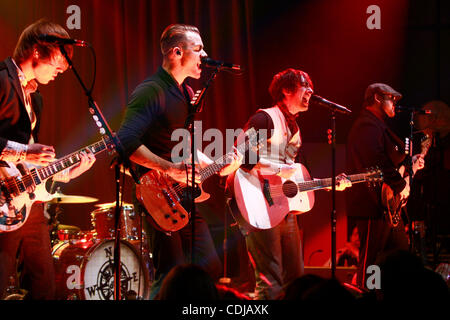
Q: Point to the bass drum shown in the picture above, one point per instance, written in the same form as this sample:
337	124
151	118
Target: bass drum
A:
85	271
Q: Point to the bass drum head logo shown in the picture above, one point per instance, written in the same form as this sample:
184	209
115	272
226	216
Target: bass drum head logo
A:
99	273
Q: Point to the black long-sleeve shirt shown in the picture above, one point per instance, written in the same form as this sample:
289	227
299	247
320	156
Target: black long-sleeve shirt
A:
156	108
372	144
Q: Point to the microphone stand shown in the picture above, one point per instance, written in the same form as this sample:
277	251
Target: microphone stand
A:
196	107
332	141
106	130
410	172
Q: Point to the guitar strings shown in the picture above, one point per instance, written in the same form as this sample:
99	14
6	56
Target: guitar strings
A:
278	190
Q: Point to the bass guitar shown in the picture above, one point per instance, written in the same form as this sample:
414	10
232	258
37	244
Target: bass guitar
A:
22	184
265	199
166	199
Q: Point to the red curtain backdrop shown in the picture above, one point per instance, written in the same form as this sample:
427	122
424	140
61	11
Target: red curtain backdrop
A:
327	39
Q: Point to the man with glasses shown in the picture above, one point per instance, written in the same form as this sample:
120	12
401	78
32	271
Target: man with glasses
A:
33	62
276	253
371	143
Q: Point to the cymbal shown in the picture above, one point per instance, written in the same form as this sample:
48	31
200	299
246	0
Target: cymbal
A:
68	228
59	197
112	205
437	121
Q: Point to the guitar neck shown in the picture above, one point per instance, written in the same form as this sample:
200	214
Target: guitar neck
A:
69	161
211	169
220	163
327	182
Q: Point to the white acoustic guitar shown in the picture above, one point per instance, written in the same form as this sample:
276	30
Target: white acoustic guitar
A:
15	185
265	199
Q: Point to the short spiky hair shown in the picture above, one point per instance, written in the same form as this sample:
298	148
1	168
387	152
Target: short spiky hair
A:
174	35
30	38
289	80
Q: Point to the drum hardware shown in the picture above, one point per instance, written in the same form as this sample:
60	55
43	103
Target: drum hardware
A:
60	232
13	292
73	296
102	220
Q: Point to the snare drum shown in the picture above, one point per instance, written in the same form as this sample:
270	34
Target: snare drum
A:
66	232
85	271
102	221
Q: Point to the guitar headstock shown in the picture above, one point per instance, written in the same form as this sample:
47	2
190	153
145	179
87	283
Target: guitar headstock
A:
109	143
374	176
425	144
253	142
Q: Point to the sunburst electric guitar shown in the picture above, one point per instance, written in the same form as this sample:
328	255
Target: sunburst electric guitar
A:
391	201
166	199
265	199
22	184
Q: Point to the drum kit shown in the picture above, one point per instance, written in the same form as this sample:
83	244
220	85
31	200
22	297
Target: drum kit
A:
84	260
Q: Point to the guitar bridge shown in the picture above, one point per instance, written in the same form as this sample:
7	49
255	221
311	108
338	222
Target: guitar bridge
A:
169	200
266	192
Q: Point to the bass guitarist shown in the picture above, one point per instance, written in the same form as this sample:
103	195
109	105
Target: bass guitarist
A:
372	143
33	62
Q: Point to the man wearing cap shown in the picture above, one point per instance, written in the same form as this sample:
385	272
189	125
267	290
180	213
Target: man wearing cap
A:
371	143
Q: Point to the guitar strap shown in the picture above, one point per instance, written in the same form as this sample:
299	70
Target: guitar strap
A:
3	67
192	109
401	149
399	142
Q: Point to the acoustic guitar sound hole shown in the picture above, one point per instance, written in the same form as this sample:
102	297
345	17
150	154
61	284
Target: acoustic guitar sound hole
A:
289	189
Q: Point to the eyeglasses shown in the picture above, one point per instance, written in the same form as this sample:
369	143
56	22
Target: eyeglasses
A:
390	97
305	84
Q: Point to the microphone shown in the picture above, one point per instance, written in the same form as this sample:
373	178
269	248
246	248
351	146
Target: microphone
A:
328	104
62	41
413	109
215	63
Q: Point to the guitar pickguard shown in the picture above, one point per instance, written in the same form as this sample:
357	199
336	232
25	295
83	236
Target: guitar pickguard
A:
162	202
